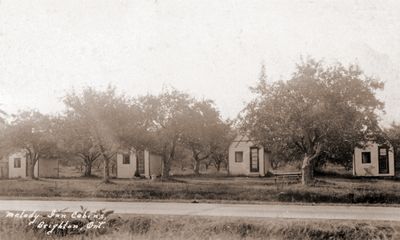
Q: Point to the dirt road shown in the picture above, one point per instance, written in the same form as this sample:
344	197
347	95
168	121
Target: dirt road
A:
204	209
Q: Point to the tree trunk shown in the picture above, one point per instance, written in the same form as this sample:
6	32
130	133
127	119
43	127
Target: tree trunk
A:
88	169
165	163
106	176
106	173
87	162
31	168
165	166
307	171
167	158
31	159
112	168
197	167
218	166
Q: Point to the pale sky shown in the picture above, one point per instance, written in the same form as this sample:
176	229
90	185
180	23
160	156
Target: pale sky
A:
211	49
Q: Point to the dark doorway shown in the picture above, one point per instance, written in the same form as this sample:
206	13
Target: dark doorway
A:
140	161
383	158
254	159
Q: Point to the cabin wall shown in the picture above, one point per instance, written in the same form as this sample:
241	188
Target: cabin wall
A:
4	168
147	164
15	172
243	168
261	161
267	162
371	169
19	172
155	164
152	165
126	170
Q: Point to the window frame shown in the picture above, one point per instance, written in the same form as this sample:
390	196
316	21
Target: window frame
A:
19	161
236	158
126	157
362	157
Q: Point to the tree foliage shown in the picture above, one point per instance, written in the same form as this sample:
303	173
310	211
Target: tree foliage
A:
106	118
321	110
176	120
165	115
205	134
32	132
74	139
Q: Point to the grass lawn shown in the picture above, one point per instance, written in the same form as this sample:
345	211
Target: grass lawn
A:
326	190
178	227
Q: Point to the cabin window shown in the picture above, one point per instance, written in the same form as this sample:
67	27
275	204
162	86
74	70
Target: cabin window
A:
366	157
17	162
238	156
126	159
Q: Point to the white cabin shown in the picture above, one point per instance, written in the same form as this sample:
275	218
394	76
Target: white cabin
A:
146	163
374	160
17	166
248	159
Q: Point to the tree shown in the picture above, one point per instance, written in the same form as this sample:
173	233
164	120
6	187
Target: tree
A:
178	120
106	117
221	139
319	110
74	138
32	132
165	115
220	148
203	130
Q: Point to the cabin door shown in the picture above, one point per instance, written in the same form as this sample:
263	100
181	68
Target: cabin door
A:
140	162
254	159
383	158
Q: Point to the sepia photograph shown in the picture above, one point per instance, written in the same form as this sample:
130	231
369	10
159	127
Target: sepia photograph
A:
200	119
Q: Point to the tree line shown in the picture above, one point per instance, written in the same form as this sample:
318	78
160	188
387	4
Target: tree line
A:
97	124
321	113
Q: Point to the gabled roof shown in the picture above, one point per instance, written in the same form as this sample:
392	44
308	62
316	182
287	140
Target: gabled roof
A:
241	138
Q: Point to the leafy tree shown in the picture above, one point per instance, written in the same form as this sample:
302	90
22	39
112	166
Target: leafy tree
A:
178	120
221	140
165	115
74	139
106	117
219	154
182	158
204	132
319	110
32	132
